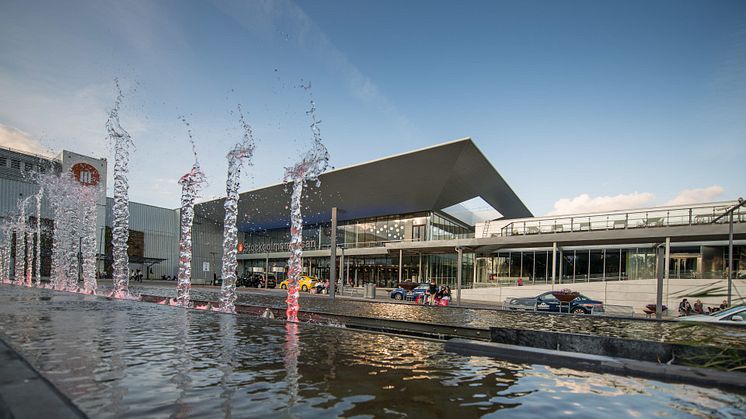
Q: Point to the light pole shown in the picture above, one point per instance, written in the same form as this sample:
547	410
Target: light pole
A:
729	212
80	259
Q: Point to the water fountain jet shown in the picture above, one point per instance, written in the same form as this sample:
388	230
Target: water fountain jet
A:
309	168
241	153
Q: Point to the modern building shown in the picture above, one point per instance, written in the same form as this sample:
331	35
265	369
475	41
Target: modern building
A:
393	225
401	198
396	221
153	242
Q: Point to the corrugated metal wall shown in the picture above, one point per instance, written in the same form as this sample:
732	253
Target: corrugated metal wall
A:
161	229
11	190
207	246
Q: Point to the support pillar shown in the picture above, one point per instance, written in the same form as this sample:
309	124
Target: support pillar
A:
419	273
730	258
660	273
333	257
459	262
400	263
666	266
342	277
554	263
266	270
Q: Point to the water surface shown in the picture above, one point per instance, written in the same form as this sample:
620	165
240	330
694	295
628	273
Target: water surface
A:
132	359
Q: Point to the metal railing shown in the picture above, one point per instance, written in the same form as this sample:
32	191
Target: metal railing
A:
649	218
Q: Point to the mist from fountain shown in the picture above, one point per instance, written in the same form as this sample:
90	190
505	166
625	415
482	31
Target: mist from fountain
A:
190	183
5	257
74	236
241	154
309	168
120	210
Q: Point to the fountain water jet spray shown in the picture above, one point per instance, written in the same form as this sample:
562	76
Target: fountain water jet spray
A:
38	234
309	168
241	153
120	232
190	183
21	242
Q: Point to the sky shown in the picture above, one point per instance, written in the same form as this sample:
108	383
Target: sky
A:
580	105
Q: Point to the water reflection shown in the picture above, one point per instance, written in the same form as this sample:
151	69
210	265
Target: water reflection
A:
673	332
292	350
130	359
228	350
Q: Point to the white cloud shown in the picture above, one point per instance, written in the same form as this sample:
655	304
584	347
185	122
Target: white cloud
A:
16	139
694	196
584	203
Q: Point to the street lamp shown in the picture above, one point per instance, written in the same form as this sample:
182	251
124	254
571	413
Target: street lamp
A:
729	213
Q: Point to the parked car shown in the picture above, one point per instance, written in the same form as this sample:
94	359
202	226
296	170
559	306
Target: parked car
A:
256	280
400	293
304	284
734	315
548	302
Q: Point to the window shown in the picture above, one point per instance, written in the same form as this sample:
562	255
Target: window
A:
3	161
28	167
15	164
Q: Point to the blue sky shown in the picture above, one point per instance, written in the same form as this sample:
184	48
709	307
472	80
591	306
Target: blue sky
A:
580	105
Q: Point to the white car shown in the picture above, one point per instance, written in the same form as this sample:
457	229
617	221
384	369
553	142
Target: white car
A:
734	315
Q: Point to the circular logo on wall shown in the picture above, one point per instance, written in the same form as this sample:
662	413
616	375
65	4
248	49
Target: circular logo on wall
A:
85	174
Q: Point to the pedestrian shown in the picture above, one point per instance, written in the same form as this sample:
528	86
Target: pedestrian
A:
520	282
698	308
724	305
432	291
439	294
684	308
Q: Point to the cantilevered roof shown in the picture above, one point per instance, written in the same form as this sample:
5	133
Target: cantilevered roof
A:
432	178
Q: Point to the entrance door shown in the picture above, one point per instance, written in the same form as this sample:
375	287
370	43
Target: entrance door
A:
683	266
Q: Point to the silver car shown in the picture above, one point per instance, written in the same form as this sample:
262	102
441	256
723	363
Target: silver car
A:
734	315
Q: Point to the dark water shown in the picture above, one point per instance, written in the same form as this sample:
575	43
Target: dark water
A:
671	332
132	359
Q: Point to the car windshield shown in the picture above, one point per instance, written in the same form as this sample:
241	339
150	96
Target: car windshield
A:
729	311
548	296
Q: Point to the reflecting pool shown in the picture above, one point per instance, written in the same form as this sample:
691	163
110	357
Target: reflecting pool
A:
133	359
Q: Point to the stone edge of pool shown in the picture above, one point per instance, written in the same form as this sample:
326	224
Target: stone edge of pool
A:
599	363
25	393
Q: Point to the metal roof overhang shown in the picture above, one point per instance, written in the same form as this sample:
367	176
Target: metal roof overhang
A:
428	179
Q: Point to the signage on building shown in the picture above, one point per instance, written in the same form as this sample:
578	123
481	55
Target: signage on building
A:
85	174
272	247
205	266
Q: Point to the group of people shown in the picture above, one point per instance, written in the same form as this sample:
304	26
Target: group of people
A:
136	276
686	309
438	296
321	287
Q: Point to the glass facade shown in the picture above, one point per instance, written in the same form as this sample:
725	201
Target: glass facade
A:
607	264
362	233
381	270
